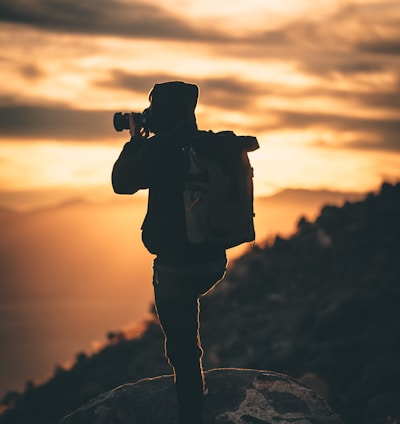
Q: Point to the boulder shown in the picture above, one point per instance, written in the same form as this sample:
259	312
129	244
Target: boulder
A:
236	396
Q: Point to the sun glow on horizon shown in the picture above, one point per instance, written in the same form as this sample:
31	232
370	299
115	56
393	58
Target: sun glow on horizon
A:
285	159
40	165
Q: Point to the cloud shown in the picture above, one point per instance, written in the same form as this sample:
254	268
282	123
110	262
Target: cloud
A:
379	134
39	122
141	83
381	47
354	38
110	17
232	93
349	56
389	100
367	27
31	72
46	122
339	122
389	144
373	98
226	92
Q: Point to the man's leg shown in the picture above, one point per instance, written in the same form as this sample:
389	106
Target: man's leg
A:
177	309
177	304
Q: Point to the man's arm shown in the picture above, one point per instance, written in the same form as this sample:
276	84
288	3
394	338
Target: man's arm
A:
132	170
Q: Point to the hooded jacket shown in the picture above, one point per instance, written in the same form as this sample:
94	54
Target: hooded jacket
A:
156	164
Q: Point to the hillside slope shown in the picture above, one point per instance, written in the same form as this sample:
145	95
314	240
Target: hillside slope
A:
325	301
322	306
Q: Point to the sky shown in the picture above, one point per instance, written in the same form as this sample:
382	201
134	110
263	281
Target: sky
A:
317	82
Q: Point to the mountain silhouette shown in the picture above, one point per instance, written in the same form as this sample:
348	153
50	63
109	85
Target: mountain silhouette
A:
321	306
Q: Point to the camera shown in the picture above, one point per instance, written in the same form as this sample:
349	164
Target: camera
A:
142	121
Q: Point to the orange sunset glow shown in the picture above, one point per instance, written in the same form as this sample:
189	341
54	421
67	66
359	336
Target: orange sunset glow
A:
317	82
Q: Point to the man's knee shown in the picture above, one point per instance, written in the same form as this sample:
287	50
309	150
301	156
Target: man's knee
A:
183	355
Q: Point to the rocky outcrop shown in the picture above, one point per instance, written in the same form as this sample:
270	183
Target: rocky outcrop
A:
236	396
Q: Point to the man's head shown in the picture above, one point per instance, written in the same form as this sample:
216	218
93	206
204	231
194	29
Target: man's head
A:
171	103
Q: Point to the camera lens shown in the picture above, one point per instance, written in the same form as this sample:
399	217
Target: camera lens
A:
121	121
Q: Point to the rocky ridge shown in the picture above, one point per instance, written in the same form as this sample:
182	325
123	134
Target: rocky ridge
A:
236	396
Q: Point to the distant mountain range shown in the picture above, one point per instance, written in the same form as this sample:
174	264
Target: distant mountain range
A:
58	200
321	305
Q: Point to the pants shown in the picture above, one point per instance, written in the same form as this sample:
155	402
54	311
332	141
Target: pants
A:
178	308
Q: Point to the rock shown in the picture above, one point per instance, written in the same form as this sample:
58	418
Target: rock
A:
313	381
384	408
236	396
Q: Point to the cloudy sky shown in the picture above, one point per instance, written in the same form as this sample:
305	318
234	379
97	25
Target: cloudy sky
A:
317	82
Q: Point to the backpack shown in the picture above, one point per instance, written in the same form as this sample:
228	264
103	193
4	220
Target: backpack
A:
218	189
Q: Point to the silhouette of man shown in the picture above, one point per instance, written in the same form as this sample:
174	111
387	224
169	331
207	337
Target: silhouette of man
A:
182	272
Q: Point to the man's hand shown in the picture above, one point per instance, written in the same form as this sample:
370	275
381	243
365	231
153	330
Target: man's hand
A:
132	125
